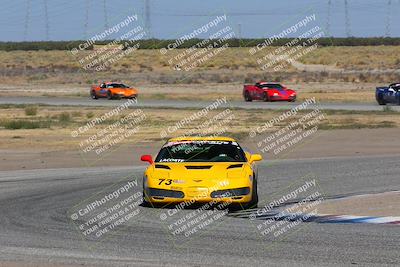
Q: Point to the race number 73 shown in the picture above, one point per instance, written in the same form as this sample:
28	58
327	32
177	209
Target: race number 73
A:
165	181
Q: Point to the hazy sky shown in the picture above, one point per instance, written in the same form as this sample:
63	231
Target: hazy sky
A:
66	19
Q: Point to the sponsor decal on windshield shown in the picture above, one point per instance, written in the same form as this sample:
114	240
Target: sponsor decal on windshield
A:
171	160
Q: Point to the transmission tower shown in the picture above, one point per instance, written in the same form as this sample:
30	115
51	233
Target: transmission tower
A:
388	18
46	19
86	25
147	19
105	15
240	34
347	18
27	16
328	19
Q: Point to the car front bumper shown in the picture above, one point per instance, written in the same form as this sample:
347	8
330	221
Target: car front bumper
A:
234	195
282	98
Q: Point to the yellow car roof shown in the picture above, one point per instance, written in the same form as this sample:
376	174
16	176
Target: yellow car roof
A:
202	138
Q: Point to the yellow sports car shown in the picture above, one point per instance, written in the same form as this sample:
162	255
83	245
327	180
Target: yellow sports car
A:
200	170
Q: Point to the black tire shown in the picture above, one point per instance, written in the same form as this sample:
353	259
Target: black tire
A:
145	203
254	197
265	97
381	102
247	97
109	95
93	95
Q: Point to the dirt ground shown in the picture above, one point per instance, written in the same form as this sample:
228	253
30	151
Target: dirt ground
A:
332	143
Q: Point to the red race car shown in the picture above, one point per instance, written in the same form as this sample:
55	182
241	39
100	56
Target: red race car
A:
268	91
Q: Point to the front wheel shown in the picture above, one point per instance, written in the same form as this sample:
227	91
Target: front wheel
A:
145	203
109	95
93	94
381	102
247	97
265	97
254	197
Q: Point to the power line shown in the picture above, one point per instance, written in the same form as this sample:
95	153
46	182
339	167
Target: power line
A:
27	15
231	14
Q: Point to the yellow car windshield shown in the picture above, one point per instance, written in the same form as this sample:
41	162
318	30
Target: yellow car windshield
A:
201	151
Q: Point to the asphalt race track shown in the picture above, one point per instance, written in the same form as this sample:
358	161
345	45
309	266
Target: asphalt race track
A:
34	222
60	101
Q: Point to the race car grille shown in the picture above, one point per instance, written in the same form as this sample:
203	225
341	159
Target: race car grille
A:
231	192
154	192
198	167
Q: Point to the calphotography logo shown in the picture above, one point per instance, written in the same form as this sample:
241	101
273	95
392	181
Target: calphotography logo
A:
276	59
208	121
108	131
287	211
98	53
213	39
108	210
286	131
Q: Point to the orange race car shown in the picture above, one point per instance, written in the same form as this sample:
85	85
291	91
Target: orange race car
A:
113	90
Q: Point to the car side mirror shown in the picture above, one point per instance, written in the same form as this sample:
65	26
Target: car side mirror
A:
147	158
255	157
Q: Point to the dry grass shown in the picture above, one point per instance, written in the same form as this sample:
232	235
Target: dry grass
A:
356	57
232	65
58	135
